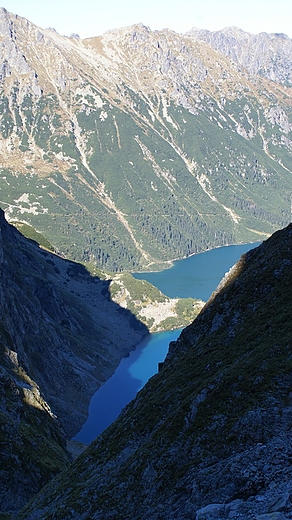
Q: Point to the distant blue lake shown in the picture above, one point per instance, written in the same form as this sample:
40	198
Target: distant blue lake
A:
131	375
196	277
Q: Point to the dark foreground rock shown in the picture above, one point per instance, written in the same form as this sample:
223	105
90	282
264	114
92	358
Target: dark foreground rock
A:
209	437
61	337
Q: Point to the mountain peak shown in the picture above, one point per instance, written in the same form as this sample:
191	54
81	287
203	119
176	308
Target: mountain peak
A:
163	113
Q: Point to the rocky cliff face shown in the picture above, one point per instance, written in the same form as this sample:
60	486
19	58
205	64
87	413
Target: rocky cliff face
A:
137	147
60	337
266	55
209	436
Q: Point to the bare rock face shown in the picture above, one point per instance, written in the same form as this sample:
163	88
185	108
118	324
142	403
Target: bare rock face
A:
60	339
209	437
141	146
267	55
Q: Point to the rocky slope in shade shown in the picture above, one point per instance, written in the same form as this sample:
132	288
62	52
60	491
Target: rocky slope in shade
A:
32	442
58	315
61	337
136	147
209	436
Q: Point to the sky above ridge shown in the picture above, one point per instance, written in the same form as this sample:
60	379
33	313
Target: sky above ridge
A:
94	17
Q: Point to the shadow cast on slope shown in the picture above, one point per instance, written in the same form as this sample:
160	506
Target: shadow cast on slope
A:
69	336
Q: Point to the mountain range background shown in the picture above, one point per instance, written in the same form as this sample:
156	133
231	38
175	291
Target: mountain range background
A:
120	153
127	149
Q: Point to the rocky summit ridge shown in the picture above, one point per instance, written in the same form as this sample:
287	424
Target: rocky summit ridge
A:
209	436
263	54
136	147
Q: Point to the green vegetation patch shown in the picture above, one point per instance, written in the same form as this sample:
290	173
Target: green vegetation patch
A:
31	233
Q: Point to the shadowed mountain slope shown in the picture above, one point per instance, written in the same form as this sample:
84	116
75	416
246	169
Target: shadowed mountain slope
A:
61	337
209	435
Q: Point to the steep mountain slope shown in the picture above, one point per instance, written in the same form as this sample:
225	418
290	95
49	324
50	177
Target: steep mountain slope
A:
57	315
137	147
267	55
32	442
209	436
61	337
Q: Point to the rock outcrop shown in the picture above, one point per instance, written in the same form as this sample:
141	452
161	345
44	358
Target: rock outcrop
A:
61	337
209	436
266	55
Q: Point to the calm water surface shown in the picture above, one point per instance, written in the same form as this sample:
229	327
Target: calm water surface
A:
196	277
131	375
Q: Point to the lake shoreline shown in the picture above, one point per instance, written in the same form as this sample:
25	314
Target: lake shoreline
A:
129	378
198	275
170	263
198	272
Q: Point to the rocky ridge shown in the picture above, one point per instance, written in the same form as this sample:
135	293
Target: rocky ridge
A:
143	146
209	436
266	55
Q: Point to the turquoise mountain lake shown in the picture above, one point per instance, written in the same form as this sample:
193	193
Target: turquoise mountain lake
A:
196	277
131	375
